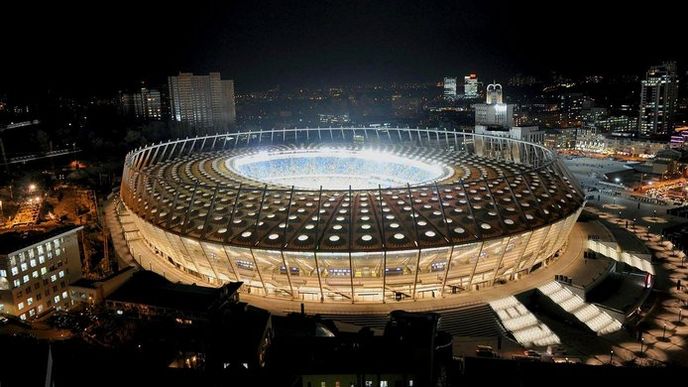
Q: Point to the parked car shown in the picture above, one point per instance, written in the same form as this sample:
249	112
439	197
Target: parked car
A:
484	351
532	353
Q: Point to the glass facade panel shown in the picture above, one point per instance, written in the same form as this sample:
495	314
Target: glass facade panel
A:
304	276
335	276
400	273
490	256
433	263
368	268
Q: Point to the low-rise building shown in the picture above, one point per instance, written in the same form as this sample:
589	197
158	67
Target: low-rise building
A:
525	133
149	296
96	291
564	138
36	269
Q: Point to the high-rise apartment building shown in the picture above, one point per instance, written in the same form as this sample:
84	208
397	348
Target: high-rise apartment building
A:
658	100
204	102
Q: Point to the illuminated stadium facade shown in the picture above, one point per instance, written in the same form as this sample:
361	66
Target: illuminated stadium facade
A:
362	215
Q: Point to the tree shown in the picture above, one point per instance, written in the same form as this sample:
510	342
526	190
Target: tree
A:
43	140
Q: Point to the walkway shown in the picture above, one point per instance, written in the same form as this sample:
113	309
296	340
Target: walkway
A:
523	325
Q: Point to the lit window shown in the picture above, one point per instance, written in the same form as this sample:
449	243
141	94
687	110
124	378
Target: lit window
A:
32	312
64	295
33	262
20	306
29	301
48	246
40	249
24	267
53	278
13	259
41	259
58	252
34	274
44	270
56	242
15	271
56	299
23	317
30	253
61	273
17	283
3	273
25	278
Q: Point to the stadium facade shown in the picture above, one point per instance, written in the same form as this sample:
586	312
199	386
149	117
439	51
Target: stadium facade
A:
362	215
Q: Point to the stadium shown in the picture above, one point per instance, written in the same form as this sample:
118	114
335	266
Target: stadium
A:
351	215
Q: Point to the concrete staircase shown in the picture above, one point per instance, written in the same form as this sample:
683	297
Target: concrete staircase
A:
593	317
523	325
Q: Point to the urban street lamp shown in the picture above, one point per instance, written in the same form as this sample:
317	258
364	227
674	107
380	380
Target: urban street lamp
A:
664	332
642	341
611	356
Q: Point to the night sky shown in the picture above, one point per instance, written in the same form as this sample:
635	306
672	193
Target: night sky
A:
260	44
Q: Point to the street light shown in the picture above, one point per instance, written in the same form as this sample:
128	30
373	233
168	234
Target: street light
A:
642	341
664	332
611	356
32	187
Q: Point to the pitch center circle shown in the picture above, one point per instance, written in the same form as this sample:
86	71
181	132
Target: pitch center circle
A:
335	168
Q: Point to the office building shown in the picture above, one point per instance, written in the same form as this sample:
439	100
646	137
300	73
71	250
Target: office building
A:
494	112
36	269
623	126
658	100
204	102
450	89
470	86
590	117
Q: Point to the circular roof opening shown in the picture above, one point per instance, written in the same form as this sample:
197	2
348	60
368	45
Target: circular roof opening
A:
337	168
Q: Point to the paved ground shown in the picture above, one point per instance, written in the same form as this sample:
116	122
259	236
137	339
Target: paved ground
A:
664	329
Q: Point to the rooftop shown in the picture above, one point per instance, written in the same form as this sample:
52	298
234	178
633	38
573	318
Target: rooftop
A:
16	240
148	288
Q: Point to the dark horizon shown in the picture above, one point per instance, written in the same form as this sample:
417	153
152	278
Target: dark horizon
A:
79	51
